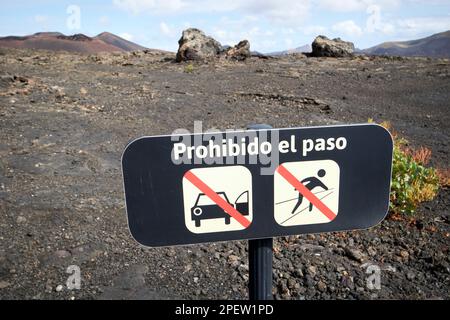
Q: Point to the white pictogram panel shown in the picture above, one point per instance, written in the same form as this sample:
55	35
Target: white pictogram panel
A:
306	192
217	199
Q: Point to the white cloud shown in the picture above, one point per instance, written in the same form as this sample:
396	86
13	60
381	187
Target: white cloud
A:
409	28
230	31
277	11
348	28
272	9
422	25
287	31
375	21
427	2
126	36
356	5
42	21
387	28
289	43
152	6
343	6
103	21
268	24
314	30
285	12
220	33
166	29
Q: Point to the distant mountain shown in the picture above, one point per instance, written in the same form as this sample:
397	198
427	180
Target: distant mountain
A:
119	42
436	46
55	41
305	48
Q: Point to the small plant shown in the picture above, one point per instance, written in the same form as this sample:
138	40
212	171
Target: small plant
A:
189	68
422	155
412	181
444	177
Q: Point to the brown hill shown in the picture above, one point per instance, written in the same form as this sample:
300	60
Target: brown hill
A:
55	41
119	42
437	46
302	49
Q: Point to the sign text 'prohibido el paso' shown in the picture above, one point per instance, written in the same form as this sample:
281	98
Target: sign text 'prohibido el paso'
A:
187	189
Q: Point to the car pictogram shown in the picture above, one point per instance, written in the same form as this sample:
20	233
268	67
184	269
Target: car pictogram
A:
204	208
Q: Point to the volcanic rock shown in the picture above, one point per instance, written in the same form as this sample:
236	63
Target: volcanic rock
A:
241	51
324	47
195	45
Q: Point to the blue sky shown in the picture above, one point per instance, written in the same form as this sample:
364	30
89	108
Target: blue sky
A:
270	25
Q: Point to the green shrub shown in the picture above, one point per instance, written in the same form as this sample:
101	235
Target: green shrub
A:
412	181
189	68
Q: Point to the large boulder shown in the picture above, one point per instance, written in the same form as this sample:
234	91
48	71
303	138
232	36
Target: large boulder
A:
241	51
324	47
195	45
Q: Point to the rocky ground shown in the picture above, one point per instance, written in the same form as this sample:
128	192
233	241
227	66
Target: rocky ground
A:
65	119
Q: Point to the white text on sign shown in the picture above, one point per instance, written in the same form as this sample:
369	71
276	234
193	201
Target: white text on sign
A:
231	148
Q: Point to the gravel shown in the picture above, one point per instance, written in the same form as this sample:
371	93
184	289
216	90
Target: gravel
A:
61	197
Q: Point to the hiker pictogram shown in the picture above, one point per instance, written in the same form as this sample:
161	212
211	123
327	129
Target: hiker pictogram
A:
310	183
306	192
217	199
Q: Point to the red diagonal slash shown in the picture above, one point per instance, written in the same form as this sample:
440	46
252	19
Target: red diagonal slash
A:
203	187
306	192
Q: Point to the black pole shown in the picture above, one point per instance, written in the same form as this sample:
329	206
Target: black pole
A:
260	253
260	269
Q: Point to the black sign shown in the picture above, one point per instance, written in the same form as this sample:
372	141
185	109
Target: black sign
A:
186	189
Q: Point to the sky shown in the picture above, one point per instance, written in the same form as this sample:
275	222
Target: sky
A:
271	25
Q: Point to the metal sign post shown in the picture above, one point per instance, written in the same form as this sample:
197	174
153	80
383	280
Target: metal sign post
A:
260	254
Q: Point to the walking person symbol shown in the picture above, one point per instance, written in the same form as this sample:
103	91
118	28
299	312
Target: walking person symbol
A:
310	183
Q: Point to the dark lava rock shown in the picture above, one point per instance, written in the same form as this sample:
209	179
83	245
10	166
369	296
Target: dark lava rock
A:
75	37
6	80
195	45
324	47
241	51
354	254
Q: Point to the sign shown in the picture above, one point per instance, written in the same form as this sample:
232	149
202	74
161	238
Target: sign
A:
196	188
